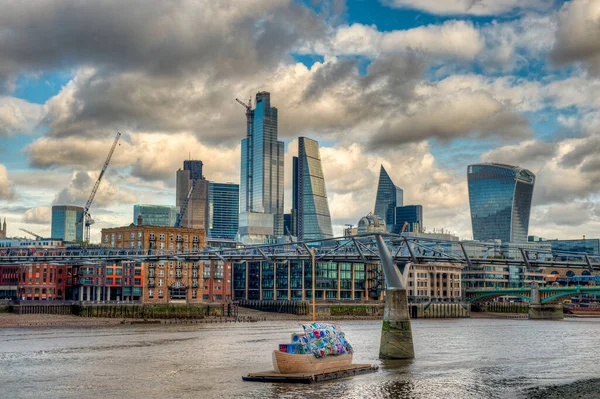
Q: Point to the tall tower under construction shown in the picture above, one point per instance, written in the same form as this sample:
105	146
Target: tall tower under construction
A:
261	183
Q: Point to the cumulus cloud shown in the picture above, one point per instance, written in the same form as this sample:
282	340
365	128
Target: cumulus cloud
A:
472	7
454	39
532	154
80	187
18	116
38	215
7	191
578	35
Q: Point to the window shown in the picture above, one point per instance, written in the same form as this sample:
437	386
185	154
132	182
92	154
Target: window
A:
151	293
160	293
138	272
119	271
119	236
161	273
109	280
132	235
160	283
119	281
162	237
106	238
194	294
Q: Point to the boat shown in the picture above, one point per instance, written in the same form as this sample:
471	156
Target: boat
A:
285	363
322	346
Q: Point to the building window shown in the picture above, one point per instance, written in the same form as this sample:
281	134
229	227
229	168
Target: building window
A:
106	238
139	235
160	293
132	235
151	293
162	237
160	283
194	293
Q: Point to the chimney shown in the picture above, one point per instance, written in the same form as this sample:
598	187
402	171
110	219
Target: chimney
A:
139	221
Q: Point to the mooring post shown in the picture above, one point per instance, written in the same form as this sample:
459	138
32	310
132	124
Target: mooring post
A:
396	334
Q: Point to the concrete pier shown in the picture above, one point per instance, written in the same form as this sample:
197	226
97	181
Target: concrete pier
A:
396	334
546	312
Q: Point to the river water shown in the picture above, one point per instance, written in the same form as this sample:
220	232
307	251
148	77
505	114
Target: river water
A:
465	358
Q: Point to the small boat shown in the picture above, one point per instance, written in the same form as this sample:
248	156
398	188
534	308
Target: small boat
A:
322	346
286	363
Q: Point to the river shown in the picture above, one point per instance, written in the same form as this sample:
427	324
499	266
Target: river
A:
464	358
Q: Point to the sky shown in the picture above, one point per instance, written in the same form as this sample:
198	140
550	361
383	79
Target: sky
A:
423	87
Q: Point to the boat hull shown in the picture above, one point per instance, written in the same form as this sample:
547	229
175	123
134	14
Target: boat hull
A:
286	363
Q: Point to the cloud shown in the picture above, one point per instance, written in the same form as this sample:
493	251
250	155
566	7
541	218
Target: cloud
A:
578	35
18	116
472	7
80	187
532	154
452	39
7	192
38	215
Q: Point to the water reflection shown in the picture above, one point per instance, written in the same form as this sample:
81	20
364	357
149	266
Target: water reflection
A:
454	359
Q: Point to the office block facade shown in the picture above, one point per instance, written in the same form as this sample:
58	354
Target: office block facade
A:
155	215
389	196
412	215
261	183
67	222
196	214
500	199
314	220
224	206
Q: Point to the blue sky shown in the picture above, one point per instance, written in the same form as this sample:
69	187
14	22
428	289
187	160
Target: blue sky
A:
423	87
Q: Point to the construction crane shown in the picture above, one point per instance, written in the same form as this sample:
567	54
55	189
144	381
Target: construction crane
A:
86	218
185	204
37	237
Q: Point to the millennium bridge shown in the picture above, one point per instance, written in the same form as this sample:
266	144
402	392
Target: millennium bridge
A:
357	248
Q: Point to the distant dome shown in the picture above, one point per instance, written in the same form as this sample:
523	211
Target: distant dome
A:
371	223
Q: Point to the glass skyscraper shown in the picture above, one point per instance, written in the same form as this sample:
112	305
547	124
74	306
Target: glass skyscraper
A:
412	215
389	196
314	220
224	205
500	200
261	183
67	222
156	215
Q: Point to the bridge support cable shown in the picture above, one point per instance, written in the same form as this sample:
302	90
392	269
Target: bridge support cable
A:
525	258
467	258
360	252
410	251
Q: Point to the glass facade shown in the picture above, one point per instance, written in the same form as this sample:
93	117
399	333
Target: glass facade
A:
262	167
500	200
67	222
224	205
155	215
314	220
292	280
389	196
410	214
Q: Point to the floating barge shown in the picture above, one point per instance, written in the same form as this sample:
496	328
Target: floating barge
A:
312	376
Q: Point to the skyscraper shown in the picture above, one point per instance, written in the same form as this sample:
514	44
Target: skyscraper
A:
389	196
3	229
500	200
155	215
224	207
412	215
196	214
67	222
314	220
261	183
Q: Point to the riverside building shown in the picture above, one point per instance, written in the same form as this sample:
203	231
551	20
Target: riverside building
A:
67	222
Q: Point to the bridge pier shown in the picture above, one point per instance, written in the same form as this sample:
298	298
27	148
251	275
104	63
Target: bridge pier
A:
546	312
396	333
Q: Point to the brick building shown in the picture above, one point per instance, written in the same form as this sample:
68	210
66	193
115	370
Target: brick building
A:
164	281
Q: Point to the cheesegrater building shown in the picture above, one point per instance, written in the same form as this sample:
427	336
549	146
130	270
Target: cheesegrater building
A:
314	219
500	200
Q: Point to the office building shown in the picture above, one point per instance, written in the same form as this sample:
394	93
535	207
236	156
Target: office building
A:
261	183
196	214
412	216
156	215
224	208
389	196
295	194
67	222
3	229
500	199
314	220
590	246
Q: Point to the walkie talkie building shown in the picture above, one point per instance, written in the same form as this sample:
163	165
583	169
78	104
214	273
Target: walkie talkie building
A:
500	199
